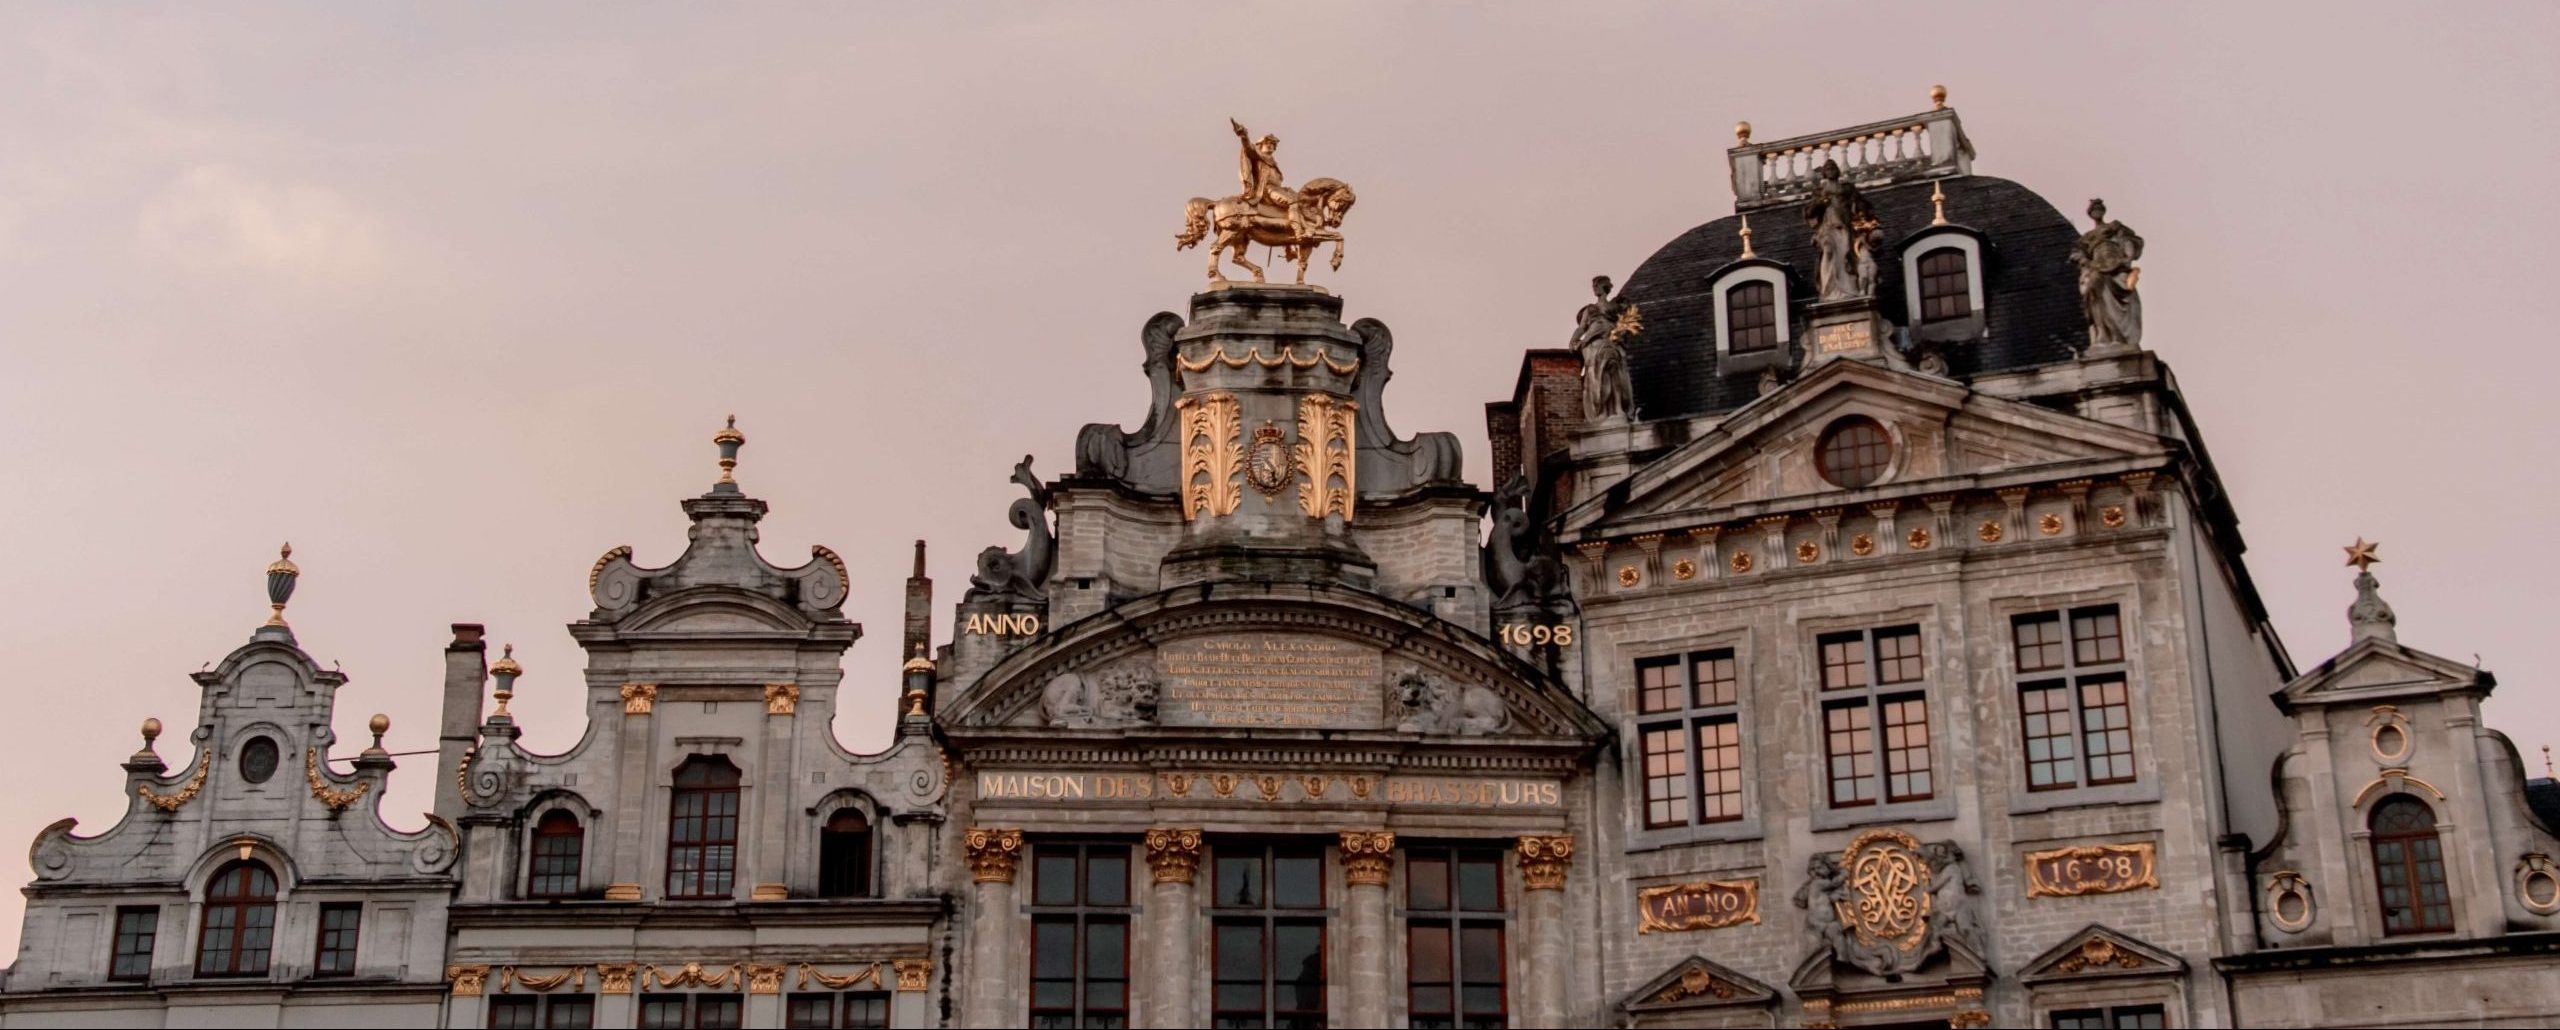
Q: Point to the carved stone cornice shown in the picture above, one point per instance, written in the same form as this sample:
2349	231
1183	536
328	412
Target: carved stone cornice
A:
1544	861
994	854
1367	855
1174	853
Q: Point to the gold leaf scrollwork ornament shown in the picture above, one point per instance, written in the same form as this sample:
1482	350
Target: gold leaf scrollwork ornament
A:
467	981
336	799
993	854
1367	856
2099	953
1174	853
639	698
914	974
1888	899
1211	465
1325	455
781	698
837	982
1695	982
1544	861
173	802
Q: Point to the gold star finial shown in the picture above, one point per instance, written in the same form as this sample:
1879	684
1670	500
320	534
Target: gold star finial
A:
2360	554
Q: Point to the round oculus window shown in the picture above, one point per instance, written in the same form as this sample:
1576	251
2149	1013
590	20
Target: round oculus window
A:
1854	452
258	759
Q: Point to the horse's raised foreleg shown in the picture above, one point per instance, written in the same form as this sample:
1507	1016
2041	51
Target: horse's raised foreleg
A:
1217	249
1337	253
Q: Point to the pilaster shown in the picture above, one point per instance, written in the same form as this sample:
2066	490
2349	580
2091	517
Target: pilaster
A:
1368	860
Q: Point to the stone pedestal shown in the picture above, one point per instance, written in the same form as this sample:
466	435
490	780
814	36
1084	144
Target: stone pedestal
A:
1543	862
1847	329
1367	858
995	949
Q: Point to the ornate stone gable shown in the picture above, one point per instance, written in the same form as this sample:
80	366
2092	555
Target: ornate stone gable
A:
1695	983
2099	952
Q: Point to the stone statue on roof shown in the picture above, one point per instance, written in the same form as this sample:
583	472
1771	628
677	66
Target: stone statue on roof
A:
2108	277
1608	391
1839	216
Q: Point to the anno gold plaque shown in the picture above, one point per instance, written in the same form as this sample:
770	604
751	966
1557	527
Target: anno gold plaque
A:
1700	905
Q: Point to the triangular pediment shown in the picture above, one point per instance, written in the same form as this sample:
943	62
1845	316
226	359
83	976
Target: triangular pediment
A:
1944	437
1695	983
2098	952
2378	671
1269	656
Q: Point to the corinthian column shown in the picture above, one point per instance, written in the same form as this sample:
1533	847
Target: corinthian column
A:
1543	861
1367	856
995	948
1174	964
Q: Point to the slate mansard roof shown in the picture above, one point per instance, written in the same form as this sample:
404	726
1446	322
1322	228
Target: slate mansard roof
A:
2030	293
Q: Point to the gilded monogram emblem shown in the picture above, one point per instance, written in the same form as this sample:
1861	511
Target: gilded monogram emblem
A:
1888	889
1887	902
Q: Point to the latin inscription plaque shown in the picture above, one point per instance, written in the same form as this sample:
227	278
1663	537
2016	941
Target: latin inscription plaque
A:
1270	679
1272	787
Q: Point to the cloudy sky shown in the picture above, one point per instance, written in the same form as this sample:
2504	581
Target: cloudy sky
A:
454	300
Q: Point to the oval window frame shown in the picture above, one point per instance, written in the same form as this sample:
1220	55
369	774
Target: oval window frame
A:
253	748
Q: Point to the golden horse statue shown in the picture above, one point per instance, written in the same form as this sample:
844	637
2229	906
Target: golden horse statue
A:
1310	220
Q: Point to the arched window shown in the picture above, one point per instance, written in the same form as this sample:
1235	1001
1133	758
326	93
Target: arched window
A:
702	830
558	845
2408	865
844	856
239	921
1946	288
1751	318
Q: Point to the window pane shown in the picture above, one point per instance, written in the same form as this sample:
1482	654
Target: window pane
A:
662	1012
1751	308
1428	954
1720	769
1945	287
1426	881
1898	655
1053	876
2039	641
1906	748
2095	637
2137	1017
1239	880
1844	661
1658	685
721	1011
1106	943
514	1013
1666	776
2051	760
1297	965
1713	674
338	927
1480	883
137	929
2106	728
811	1010
1239	948
2080	1019
1853	452
1053	948
1849	744
1106	876
571	1011
1297	880
866	1010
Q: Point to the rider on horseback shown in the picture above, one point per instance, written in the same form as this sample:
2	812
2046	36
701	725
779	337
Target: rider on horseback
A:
1258	169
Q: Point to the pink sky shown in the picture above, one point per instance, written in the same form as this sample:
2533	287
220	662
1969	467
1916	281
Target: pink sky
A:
454	300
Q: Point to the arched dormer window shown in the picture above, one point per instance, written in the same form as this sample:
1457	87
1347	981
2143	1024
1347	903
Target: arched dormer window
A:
844	855
1942	282
2408	867
1751	312
239	921
702	830
559	847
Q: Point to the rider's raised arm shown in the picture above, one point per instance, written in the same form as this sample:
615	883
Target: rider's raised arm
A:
1240	133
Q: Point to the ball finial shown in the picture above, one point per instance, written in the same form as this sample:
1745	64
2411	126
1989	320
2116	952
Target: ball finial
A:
1742	133
379	724
150	731
1937	98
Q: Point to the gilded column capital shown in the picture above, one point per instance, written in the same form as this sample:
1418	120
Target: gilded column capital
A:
467	980
993	854
1174	853
913	973
615	978
781	698
1367	855
639	698
763	979
1543	861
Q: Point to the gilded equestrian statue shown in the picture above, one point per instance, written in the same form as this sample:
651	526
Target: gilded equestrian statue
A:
1267	212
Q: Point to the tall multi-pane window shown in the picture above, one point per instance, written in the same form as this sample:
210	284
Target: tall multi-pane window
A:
137	931
1946	287
2074	706
239	921
559	844
1751	317
1080	935
1267	911
553	1011
1454	959
2408	866
2114	1017
339	921
702	830
1875	716
844	855
850	1010
1690	734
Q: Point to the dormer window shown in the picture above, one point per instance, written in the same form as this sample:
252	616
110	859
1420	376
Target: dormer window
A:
1945	285
1751	312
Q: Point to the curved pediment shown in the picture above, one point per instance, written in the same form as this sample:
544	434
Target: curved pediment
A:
1271	657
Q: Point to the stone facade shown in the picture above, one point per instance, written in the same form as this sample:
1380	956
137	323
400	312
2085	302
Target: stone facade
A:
1893	662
